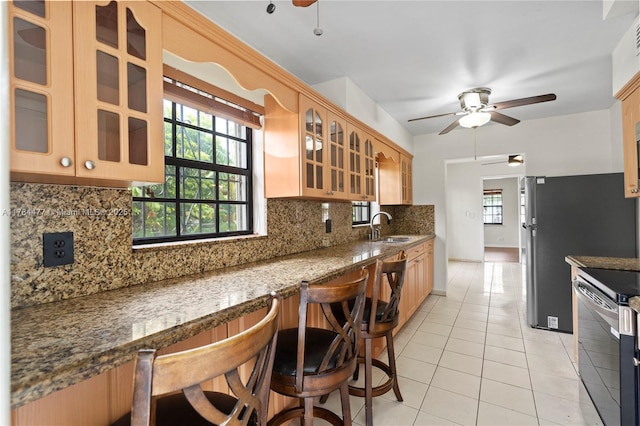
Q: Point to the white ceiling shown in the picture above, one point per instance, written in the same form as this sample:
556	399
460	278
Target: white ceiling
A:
414	57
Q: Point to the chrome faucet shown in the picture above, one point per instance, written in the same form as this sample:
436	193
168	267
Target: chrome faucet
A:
376	233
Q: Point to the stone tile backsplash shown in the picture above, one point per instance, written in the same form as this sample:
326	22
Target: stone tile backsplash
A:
105	260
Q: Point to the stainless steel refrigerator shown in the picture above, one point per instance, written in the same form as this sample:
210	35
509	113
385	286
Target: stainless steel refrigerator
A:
571	215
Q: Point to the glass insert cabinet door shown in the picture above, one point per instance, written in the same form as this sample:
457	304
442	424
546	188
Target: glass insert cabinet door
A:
41	87
314	139
118	92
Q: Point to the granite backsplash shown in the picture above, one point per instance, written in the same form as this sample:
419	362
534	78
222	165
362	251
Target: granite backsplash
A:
105	259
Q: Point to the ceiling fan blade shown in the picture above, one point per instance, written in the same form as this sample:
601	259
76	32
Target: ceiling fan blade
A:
434	116
303	3
450	127
503	119
524	101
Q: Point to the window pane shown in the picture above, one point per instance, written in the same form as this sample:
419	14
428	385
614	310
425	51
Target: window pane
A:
230	152
197	184
193	144
233	217
153	219
232	187
197	218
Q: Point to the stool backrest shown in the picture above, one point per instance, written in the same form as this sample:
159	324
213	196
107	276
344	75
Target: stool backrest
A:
343	350
185	371
394	271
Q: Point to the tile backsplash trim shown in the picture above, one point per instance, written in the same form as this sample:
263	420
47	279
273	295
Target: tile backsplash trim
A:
104	259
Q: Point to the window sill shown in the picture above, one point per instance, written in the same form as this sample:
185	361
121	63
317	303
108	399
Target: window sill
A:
192	243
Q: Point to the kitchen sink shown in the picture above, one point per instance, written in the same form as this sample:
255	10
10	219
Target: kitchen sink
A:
395	239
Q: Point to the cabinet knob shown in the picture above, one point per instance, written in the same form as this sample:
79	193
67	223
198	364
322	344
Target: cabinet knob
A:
90	165
66	162
329	192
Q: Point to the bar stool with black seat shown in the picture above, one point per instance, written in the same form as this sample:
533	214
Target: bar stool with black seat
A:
380	320
312	361
158	378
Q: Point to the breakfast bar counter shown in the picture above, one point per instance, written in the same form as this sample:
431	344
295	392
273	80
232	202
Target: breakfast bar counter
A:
58	344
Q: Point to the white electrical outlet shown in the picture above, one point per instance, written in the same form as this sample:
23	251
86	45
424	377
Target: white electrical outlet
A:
552	322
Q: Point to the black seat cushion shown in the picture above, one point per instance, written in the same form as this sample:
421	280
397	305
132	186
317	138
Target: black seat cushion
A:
316	344
175	410
336	308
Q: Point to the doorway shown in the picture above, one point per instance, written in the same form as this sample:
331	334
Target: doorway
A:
501	219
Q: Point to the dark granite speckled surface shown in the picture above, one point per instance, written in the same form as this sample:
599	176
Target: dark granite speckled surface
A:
617	263
55	345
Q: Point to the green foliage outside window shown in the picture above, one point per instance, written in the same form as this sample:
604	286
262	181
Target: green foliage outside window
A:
207	188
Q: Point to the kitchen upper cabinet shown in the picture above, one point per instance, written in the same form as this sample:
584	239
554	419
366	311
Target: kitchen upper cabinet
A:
395	177
361	165
305	152
324	142
630	97
86	92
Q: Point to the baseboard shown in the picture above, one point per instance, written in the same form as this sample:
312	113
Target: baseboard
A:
455	259
439	292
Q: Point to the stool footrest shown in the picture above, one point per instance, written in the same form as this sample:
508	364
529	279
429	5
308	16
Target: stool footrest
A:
298	412
380	389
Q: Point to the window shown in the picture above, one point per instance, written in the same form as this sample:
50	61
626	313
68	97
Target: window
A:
492	206
361	212
207	191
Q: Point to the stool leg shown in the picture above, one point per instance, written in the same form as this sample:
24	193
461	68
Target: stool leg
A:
346	405
308	411
392	365
368	385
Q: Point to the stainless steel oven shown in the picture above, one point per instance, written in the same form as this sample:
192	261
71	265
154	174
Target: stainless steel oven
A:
607	343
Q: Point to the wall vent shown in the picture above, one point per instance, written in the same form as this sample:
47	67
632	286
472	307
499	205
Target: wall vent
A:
638	39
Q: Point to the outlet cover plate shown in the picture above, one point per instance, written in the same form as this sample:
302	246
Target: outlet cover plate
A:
57	248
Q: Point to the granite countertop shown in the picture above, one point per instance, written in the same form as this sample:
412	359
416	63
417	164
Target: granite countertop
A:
58	344
616	263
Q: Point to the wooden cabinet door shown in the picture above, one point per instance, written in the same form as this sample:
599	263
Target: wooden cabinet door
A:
361	165
406	179
314	144
355	153
337	173
631	137
429	267
41	86
118	91
369	169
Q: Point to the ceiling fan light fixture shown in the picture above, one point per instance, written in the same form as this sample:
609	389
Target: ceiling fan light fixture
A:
475	119
515	160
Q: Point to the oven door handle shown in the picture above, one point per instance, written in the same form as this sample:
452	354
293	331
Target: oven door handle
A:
609	312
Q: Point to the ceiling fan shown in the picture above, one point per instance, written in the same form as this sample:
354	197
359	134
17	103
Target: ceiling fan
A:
512	160
303	3
476	110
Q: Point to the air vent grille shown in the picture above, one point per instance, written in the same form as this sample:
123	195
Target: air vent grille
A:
638	39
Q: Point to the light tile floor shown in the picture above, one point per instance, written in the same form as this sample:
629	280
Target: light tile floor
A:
470	359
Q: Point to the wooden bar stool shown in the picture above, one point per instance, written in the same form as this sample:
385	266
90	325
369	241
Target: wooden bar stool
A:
157	376
380	319
311	361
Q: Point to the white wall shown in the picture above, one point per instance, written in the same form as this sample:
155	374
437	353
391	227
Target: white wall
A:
585	143
508	233
342	92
